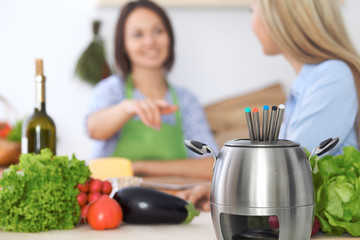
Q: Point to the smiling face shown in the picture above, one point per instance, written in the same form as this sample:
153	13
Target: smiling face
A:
268	44
146	39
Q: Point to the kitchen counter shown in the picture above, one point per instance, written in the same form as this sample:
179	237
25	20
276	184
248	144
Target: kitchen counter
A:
199	229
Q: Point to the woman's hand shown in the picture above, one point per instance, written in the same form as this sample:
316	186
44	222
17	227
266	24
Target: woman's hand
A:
198	195
149	110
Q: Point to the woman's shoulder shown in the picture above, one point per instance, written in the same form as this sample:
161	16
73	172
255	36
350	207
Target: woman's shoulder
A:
329	77
331	71
183	91
334	66
110	81
185	95
107	92
113	83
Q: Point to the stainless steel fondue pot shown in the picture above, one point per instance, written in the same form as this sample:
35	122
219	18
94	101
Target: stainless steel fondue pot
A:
256	183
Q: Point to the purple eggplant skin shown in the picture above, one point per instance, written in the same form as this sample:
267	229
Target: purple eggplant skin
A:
149	206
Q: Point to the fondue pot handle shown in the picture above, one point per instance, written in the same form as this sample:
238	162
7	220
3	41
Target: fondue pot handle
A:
324	147
197	147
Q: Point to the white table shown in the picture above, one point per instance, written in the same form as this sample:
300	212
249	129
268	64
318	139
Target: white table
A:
199	229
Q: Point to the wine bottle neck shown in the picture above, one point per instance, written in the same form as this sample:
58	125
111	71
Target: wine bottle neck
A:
40	93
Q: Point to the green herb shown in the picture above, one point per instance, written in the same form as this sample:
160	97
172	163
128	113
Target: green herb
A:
337	192
15	133
92	65
39	193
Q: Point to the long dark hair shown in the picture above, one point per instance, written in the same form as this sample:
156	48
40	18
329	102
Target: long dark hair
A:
121	58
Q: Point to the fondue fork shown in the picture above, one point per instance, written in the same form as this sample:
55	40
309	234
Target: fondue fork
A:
279	121
249	123
265	123
256	124
272	123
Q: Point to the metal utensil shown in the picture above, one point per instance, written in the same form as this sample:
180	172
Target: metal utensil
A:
272	123
324	147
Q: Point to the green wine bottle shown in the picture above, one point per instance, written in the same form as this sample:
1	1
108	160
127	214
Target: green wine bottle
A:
39	130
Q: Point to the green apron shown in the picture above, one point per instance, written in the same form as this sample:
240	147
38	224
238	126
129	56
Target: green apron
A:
138	142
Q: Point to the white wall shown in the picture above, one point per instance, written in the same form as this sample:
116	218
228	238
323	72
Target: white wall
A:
217	56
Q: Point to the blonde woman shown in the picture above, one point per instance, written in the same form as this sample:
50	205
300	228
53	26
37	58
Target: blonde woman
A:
323	101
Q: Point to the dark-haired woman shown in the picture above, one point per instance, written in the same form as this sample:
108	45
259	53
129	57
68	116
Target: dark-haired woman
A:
140	115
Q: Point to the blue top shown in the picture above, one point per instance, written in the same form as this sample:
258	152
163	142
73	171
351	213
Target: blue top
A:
111	91
322	103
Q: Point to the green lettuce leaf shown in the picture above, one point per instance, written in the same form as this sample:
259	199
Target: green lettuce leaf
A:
39	193
337	192
15	133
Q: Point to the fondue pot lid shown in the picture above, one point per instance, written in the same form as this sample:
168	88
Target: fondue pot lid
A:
261	144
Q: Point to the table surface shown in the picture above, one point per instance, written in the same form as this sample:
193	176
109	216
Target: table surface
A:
199	229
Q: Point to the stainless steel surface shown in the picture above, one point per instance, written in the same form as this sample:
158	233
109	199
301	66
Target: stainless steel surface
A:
263	179
272	122
279	121
265	124
256	126
250	125
247	144
295	223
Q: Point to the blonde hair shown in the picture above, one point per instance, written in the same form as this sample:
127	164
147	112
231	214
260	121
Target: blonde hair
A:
311	31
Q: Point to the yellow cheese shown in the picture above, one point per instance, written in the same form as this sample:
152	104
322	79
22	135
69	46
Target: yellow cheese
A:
102	168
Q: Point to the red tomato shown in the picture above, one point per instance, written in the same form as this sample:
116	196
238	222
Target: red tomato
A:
106	187
84	187
104	213
274	222
82	199
84	211
5	129
316	226
95	186
93	196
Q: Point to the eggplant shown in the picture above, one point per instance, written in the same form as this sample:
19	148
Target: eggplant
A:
149	206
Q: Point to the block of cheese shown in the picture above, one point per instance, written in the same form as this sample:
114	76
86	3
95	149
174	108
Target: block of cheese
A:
113	167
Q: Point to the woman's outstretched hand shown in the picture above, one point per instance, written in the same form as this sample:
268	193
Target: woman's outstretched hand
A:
198	195
150	110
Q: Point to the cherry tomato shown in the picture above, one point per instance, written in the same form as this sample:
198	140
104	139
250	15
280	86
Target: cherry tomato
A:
5	129
82	199
95	186
316	226
93	196
104	213
274	222
84	211
84	187
106	187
